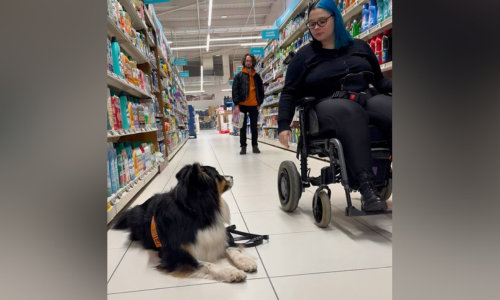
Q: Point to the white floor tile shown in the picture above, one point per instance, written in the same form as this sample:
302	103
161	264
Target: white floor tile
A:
325	251
252	289
354	285
114	257
118	239
137	272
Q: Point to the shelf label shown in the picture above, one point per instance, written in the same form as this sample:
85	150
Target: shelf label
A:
270	34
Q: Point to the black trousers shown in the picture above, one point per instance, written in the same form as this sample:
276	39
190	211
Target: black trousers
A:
348	121
254	114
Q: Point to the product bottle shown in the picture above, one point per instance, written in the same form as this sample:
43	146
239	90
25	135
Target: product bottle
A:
123	108
115	51
373	44
135	71
109	57
366	15
142	117
128	70
119	161
385	46
136	114
380	11
341	6
355	28
116	112
147	121
387	3
131	167
110	112
389	9
136	162
108	180
378	48
373	14
131	114
123	151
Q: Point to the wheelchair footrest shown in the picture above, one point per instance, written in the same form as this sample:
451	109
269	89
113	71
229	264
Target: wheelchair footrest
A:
354	212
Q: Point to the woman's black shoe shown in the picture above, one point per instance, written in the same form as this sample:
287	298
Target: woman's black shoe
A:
243	150
370	200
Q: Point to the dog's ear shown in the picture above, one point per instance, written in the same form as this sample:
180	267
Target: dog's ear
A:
193	174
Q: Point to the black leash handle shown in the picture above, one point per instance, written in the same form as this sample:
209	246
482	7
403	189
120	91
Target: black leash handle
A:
253	239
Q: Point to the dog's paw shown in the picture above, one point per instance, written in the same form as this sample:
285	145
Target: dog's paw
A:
246	264
232	275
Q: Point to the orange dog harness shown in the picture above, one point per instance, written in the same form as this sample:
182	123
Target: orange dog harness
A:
154	234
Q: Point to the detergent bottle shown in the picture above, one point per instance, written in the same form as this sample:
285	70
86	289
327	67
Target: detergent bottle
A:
378	48
115	53
365	18
123	108
372	18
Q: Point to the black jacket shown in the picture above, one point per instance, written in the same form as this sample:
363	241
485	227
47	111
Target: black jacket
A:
241	88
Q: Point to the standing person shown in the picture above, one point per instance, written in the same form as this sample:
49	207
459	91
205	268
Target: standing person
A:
336	64
248	95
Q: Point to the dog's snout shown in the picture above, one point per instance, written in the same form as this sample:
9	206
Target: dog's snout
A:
229	180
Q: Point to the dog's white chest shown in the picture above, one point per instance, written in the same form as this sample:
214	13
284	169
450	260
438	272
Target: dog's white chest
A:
211	243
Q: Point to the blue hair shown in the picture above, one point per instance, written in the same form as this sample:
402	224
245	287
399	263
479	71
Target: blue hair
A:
342	37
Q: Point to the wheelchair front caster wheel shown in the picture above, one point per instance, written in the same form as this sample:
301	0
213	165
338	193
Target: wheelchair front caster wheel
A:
322	209
289	186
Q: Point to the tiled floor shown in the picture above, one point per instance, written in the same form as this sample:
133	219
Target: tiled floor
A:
351	259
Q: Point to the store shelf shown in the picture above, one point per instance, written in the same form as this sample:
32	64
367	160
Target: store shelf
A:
270	127
125	42
386	67
120	133
268	43
121	84
299	32
268	54
135	18
379	28
149	19
270	115
176	150
274	103
353	10
126	194
163	166
151	41
300	7
275	90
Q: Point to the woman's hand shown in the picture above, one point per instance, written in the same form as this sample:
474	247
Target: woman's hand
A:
236	109
285	137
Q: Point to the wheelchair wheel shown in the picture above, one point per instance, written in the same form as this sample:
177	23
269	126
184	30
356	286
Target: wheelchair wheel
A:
322	209
386	192
289	186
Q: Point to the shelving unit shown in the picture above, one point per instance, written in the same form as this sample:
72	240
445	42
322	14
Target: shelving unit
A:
155	40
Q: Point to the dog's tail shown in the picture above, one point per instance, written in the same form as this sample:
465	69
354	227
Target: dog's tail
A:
122	222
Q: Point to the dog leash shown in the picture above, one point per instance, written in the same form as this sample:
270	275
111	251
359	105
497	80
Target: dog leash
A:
253	239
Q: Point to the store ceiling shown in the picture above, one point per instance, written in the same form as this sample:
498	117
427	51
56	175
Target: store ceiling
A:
185	23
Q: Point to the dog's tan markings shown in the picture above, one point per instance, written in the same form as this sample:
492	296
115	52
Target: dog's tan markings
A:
188	248
182	272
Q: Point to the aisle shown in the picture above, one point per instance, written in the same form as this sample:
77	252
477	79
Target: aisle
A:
352	259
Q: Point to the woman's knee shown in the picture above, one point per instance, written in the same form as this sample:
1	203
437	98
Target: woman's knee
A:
342	110
380	104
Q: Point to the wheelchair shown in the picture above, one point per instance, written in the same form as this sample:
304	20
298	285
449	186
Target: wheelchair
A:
291	183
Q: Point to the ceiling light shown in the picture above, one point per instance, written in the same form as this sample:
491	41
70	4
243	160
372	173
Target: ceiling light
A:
208	41
223	17
218	45
201	74
210	13
237	38
226	90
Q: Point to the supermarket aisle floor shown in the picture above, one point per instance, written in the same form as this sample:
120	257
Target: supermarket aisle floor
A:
351	259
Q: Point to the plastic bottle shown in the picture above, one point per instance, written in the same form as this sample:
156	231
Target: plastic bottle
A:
109	56
365	17
389	9
136	162
147	120
355	28
125	162
117	114
121	171
108	180
135	71
128	70
115	51
378	48
130	110
122	102
130	157
380	11
372	20
341	6
110	112
142	117
373	44
386	8
385	46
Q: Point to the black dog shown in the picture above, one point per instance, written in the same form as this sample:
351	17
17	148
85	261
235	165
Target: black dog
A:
187	226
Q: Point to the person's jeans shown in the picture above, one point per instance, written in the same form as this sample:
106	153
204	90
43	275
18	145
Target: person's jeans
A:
254	114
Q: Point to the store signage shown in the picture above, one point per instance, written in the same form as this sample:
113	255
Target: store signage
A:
270	34
184	74
180	61
155	1
240	68
287	13
230	82
257	51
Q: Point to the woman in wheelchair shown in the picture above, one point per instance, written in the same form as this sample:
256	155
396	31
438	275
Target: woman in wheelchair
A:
337	71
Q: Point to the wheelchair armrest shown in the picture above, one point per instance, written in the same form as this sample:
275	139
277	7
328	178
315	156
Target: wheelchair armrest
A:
306	102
